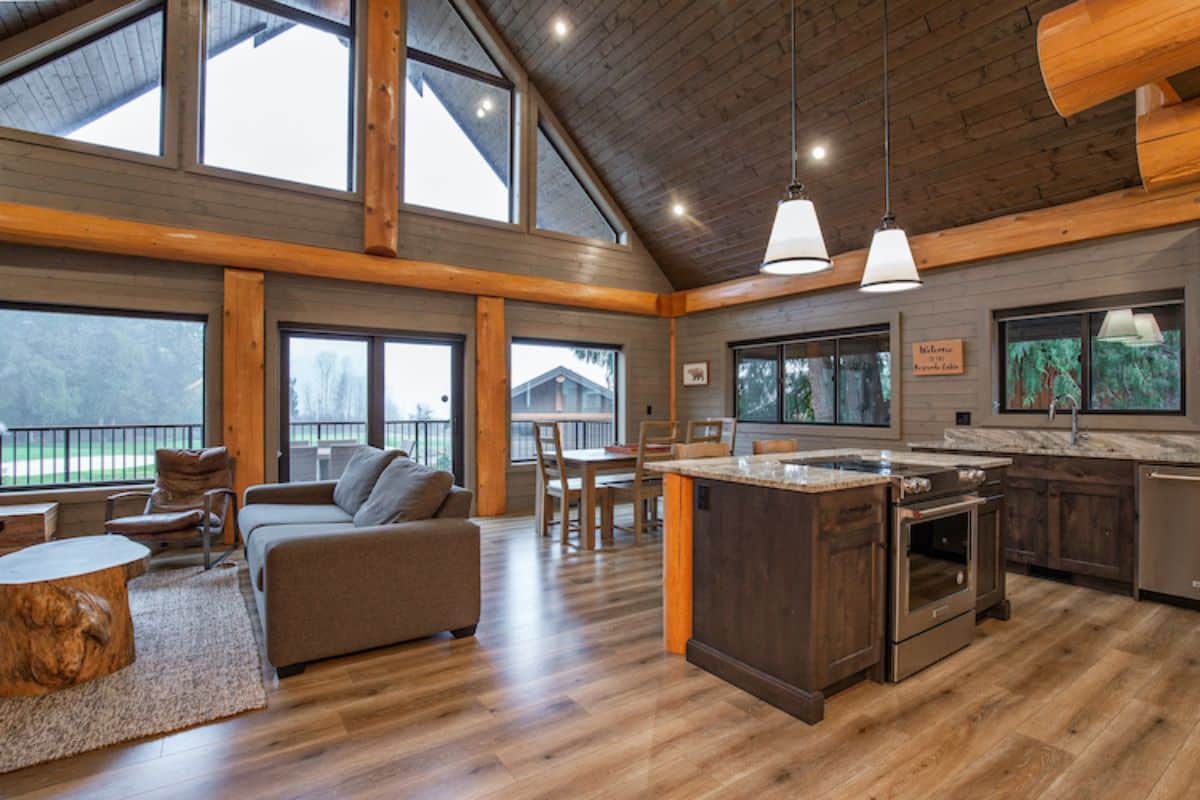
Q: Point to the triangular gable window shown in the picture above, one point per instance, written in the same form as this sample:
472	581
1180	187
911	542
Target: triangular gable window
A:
564	204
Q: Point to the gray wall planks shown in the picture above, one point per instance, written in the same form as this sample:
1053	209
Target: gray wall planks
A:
953	304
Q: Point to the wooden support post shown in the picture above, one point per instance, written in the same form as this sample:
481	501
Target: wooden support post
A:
243	378
381	142
673	381
491	408
1094	50
1168	139
677	562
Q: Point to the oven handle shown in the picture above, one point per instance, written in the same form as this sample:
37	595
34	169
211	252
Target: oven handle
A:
938	511
1163	476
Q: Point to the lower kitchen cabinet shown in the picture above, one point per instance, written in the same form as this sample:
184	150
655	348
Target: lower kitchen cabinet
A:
990	583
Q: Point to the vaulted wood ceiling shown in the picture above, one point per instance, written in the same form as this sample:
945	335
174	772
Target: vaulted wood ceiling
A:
675	100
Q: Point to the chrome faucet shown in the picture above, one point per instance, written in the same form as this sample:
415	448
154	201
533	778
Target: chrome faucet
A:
1076	434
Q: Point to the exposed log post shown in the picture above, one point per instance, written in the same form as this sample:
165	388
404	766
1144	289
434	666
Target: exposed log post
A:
673	366
381	146
243	379
1094	50
1168	139
491	408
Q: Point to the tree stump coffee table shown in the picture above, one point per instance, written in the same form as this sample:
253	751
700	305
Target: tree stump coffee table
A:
64	612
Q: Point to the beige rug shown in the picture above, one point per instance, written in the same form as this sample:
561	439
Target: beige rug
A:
197	660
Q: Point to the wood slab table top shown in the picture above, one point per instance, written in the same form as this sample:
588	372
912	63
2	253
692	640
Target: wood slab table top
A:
67	558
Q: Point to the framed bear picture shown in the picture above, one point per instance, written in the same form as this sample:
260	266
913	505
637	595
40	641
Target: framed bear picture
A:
695	373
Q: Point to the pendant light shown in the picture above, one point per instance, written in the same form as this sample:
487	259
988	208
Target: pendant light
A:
1149	334
890	265
1119	326
796	246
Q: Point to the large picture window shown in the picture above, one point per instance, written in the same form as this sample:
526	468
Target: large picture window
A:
278	83
1056	352
833	378
105	89
458	118
574	385
89	396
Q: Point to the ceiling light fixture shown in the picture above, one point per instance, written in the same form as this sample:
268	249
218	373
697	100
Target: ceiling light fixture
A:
819	152
1149	334
487	104
1119	326
890	265
796	246
480	112
561	29
678	210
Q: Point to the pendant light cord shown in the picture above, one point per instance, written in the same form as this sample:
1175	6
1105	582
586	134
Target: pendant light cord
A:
888	218
795	157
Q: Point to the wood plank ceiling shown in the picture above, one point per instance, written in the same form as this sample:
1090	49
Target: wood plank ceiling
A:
673	100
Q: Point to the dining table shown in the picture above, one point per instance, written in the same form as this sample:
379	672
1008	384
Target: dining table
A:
587	464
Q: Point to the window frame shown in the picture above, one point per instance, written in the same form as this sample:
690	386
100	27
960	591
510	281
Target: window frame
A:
196	162
504	81
618	352
836	335
1085	309
91	311
547	127
135	12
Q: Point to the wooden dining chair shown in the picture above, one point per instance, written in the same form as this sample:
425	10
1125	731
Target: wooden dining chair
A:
556	483
763	446
656	442
701	450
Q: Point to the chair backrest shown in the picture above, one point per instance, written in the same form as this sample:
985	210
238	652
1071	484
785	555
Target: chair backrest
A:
729	432
183	476
761	446
701	450
547	444
704	430
339	457
302	462
656	442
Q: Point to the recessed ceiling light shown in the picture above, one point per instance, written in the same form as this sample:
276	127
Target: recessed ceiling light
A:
480	112
561	28
678	209
819	152
487	104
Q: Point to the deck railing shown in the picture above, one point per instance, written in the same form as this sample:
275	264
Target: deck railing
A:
427	441
61	455
577	434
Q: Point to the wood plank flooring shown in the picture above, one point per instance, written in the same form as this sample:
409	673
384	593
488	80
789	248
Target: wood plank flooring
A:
565	692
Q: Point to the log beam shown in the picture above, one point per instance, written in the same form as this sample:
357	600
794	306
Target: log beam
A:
381	145
1094	50
243	379
491	408
1168	139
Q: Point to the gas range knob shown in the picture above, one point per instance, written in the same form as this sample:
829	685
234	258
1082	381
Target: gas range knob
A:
972	476
917	485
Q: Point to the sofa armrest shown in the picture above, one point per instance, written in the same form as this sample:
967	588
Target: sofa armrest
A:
350	590
310	493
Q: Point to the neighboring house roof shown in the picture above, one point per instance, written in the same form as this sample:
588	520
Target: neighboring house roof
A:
564	372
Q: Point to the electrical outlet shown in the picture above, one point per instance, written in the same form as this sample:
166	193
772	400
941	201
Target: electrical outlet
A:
649	411
962	417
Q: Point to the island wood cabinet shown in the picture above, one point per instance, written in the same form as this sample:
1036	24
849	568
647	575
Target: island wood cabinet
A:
990	567
789	590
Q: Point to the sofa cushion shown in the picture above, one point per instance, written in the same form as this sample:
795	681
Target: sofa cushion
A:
355	484
269	535
406	491
457	504
257	515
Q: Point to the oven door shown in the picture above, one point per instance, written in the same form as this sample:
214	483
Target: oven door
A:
933	563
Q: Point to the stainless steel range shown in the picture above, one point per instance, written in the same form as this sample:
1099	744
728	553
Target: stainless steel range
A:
934	534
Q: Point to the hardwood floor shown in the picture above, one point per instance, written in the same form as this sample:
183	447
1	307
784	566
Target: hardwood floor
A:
565	692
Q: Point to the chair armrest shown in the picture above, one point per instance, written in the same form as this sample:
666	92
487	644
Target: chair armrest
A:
111	500
310	493
210	497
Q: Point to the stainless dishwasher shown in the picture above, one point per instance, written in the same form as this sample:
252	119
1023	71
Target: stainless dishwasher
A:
1169	530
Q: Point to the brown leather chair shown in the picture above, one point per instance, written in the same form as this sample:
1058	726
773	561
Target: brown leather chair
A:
192	497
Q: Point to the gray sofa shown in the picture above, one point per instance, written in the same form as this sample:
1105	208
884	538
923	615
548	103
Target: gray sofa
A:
325	587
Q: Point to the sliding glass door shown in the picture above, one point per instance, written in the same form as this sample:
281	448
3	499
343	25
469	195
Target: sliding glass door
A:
341	389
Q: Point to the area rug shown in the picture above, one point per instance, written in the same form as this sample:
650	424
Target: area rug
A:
197	661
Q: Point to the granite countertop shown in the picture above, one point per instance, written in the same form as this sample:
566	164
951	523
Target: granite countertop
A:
771	471
1169	448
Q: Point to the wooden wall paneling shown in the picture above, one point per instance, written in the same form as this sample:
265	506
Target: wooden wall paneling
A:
677	562
381	139
53	228
1168	139
491	407
1095	50
243	399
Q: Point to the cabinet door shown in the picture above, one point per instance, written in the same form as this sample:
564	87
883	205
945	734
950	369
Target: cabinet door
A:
1027	530
849	602
990	555
1094	529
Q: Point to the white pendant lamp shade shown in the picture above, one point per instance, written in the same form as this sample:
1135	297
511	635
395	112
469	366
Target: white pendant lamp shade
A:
890	263
796	246
1119	326
1149	334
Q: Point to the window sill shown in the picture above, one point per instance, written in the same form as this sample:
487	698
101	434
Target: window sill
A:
454	216
621	247
84	148
826	432
296	187
72	495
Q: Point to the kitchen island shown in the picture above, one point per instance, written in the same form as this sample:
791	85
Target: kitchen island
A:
776	573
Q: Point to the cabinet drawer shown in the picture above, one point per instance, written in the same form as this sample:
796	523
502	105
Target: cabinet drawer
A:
1087	470
848	511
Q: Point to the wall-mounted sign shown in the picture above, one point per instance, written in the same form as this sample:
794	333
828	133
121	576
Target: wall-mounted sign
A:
943	357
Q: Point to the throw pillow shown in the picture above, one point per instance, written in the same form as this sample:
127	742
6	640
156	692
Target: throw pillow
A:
354	486
406	491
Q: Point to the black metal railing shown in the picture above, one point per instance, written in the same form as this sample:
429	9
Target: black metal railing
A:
427	441
577	434
59	455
